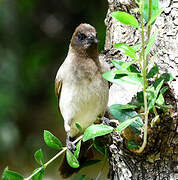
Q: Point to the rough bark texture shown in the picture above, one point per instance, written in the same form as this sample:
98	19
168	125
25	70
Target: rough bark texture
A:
160	158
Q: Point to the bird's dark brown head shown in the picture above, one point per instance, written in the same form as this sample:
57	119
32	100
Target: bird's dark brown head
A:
84	39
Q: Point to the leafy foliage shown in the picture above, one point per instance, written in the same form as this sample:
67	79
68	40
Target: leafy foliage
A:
39	175
96	130
71	159
77	151
39	157
8	175
52	141
125	18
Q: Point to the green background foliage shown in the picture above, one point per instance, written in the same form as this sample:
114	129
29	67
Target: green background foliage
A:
34	39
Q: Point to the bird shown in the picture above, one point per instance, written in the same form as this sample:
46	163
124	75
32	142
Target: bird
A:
81	91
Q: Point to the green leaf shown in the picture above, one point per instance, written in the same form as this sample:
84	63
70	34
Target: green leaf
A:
126	106
164	89
160	100
153	94
11	175
165	77
153	71
4	176
136	47
126	65
82	177
96	130
155	8
77	151
124	114
132	145
121	65
125	18
110	76
140	98
151	43
39	175
52	141
71	159
99	146
132	78
153	18
117	63
125	124
123	78
39	157
79	127
127	50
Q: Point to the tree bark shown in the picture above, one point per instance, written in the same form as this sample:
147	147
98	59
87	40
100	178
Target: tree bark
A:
160	157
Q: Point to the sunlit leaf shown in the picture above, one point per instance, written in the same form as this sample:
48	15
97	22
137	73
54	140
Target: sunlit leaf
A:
126	106
160	100
153	71
154	9
164	89
52	141
125	124
122	78
153	94
117	63
71	159
126	65
136	47
127	50
39	157
131	77
96	130
153	18
77	151
11	175
4	176
125	18
151	43
39	175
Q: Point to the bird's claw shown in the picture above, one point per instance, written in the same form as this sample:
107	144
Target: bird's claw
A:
70	145
105	121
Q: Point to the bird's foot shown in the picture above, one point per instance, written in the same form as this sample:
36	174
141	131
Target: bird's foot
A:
105	121
70	145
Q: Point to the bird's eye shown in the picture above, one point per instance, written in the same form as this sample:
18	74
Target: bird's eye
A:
81	36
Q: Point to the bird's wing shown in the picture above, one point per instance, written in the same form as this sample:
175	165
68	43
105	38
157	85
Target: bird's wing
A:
58	87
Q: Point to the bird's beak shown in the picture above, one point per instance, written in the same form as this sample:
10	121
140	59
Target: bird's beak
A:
92	40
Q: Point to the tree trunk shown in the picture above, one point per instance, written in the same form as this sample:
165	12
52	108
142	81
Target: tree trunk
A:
160	158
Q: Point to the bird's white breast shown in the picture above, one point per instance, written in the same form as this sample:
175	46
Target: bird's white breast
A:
82	99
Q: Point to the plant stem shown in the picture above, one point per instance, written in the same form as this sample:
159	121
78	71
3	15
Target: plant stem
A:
52	159
144	69
56	156
149	27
